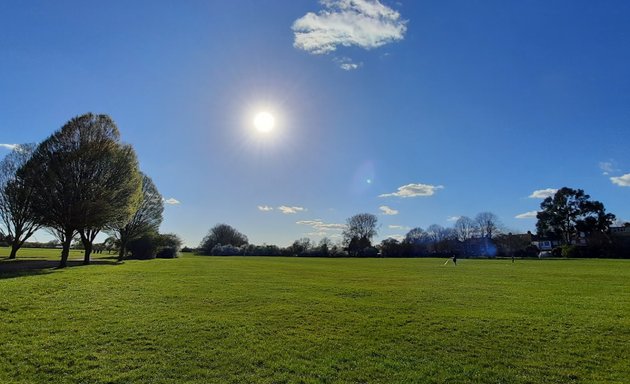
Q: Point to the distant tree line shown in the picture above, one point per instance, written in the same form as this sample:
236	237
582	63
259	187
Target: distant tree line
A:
568	218
81	181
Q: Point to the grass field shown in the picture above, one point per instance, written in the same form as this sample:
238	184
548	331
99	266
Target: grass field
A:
291	320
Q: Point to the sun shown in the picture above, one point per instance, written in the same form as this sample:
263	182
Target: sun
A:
264	122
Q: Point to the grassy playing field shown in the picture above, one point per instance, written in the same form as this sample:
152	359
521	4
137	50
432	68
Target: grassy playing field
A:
276	320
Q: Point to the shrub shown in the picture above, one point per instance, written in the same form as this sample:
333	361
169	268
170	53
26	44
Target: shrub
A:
226	250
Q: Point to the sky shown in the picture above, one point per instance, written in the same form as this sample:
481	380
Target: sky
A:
416	111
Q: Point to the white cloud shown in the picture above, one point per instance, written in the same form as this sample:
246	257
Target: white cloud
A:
398	227
363	23
453	218
413	190
622	181
527	215
387	210
265	208
171	201
290	210
320	226
9	146
347	64
543	193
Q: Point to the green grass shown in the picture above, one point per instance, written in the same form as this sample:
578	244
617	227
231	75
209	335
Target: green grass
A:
291	320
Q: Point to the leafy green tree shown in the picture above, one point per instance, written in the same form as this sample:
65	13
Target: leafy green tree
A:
569	212
16	200
145	220
83	179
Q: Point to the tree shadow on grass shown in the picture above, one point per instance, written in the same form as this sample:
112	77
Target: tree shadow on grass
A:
18	268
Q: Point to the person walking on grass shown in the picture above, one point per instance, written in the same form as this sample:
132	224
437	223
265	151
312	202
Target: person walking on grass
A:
455	259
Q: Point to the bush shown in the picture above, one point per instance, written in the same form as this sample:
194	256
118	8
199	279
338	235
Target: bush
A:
143	248
167	253
226	250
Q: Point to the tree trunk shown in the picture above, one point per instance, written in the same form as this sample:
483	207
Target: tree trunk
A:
86	253
14	249
87	246
121	252
65	251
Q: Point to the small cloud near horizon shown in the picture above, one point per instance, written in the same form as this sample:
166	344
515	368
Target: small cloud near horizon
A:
265	208
290	210
387	210
320	226
543	193
453	218
414	190
622	181
398	227
527	215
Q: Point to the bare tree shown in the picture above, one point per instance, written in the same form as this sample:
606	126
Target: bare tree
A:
16	202
465	228
361	226
488	224
146	218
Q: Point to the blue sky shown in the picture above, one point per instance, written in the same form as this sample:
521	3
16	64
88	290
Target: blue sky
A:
459	106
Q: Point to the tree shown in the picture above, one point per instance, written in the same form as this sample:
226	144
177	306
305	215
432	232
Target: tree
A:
221	234
83	178
569	212
488	224
145	220
16	200
439	236
465	228
362	226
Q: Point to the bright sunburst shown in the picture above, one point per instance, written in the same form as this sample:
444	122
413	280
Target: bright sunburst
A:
264	122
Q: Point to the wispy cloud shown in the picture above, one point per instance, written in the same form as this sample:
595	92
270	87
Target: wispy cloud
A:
290	210
347	64
527	215
320	226
171	201
608	167
265	208
453	218
543	193
622	181
361	23
402	227
9	146
387	210
414	190
396	237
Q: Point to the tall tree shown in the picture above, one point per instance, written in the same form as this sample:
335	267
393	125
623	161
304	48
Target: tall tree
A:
146	218
488	224
361	226
571	211
83	179
16	202
360	229
222	234
465	228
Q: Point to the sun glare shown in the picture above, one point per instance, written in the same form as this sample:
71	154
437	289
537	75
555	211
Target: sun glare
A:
264	122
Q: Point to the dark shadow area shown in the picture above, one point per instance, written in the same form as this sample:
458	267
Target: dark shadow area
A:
19	268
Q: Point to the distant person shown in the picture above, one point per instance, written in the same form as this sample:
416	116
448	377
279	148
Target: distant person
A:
512	258
455	260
